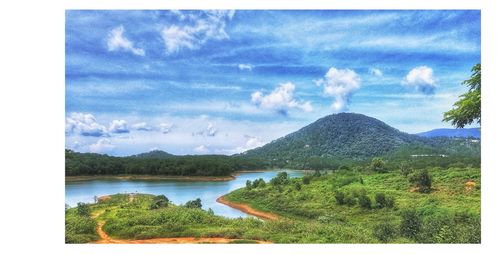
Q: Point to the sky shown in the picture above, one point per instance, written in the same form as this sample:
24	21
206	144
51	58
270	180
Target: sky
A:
223	81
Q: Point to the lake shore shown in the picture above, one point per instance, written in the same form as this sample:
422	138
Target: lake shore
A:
150	177
247	209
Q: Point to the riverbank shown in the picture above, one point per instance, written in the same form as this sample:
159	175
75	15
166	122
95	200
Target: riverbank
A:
150	177
247	209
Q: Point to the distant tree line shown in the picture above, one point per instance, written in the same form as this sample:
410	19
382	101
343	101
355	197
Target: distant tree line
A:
190	165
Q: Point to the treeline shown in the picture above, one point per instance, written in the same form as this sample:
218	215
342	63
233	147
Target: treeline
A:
190	165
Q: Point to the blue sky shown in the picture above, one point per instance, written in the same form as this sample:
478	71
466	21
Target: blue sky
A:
202	82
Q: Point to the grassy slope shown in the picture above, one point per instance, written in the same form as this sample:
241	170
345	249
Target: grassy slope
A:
316	202
308	215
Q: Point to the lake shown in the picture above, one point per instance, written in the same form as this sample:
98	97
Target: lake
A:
178	192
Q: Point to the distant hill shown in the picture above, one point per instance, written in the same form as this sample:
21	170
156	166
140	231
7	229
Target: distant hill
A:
157	154
349	136
461	133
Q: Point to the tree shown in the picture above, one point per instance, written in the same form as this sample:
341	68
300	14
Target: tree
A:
306	179
83	209
422	180
378	165
159	202
193	203
411	224
468	108
380	201
340	197
365	202
405	168
248	185
280	179
385	232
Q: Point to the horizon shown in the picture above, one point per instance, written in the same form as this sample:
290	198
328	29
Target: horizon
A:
223	82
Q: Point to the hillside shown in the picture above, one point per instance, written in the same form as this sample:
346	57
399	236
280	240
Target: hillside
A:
349	136
461	133
157	154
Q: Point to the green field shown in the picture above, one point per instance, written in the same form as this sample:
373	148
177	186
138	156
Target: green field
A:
309	211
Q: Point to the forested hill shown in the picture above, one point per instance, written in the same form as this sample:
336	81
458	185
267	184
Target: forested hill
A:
462	133
158	154
349	136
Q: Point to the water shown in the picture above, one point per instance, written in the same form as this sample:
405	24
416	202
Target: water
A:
179	192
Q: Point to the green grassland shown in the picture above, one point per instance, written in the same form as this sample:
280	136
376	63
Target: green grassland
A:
309	211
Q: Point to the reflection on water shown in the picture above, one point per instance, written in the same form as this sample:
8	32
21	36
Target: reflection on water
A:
177	191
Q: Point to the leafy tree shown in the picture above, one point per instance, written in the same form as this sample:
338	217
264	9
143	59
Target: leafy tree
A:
280	179
306	179
422	180
385	232
411	224
468	108
405	168
298	186
365	202
380	201
378	165
83	209
159	202
340	197
194	203
248	185
210	211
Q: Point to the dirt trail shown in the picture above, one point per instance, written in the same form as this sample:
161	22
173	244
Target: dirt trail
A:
247	209
106	239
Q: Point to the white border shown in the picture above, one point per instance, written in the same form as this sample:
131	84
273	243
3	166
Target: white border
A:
32	126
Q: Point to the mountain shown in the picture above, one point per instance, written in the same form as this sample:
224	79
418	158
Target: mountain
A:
349	136
156	154
461	133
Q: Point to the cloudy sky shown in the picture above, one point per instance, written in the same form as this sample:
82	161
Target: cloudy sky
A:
202	82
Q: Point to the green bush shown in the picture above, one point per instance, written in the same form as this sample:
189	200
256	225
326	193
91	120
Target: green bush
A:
350	200
385	232
411	224
306	179
159	202
280	179
248	185
193	203
340	197
365	202
378	165
83	209
422	180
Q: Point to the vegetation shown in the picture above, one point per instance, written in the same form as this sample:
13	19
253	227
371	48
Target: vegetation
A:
467	109
422	180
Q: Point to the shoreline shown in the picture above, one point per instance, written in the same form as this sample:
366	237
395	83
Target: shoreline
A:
149	177
247	209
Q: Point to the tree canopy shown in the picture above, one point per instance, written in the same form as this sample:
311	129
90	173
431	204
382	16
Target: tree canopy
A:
467	109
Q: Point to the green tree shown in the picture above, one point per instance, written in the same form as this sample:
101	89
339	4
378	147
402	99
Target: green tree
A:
193	203
411	224
468	108
83	209
422	180
378	165
385	232
340	197
248	185
365	202
159	202
405	168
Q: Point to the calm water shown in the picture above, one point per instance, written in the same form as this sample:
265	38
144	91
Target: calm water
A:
176	191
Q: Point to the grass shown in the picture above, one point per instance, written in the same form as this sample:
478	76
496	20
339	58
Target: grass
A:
309	213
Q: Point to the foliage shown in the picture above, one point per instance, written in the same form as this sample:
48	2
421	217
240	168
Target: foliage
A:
340	197
159	201
248	185
468	108
378	165
422	180
411	224
78	228
194	203
280	179
83	209
405	168
385	232
365	202
307	179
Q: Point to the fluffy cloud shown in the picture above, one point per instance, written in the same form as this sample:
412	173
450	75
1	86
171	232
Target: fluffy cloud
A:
142	126
117	41
422	79
118	126
341	84
166	127
102	146
201	149
280	100
376	72
85	125
210	131
208	25
243	67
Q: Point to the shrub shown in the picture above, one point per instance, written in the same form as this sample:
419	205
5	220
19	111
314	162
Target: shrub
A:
411	224
306	179
248	185
380	200
83	209
365	202
280	179
344	167
405	168
350	200
194	203
298	187
378	165
340	197
385	232
422	180
390	202
159	202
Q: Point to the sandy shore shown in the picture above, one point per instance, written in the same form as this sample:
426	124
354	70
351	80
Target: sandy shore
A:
149	177
247	209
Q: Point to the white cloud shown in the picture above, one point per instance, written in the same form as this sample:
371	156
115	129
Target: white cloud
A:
117	41
209	131
208	25
376	72
102	146
243	67
166	127
341	84
118	126
142	126
280	100
201	149
422	79
85	125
